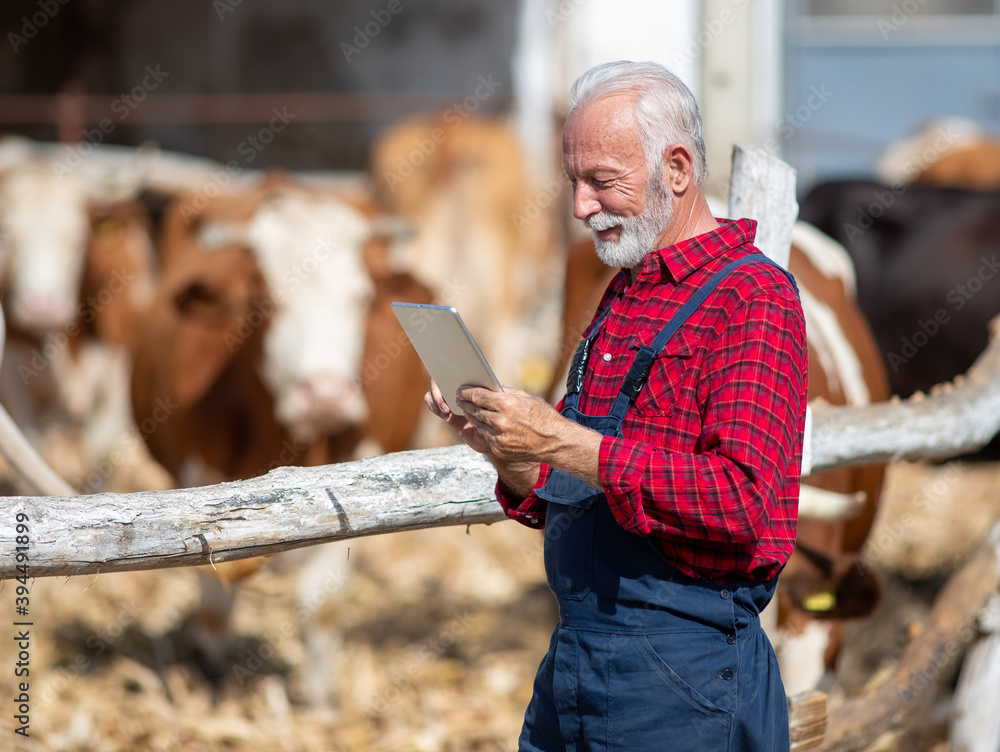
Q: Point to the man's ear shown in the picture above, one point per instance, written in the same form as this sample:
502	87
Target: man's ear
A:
678	168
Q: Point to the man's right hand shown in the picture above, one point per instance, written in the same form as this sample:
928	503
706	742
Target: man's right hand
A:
519	476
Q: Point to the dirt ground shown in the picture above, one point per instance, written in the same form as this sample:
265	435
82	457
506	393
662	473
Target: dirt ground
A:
422	641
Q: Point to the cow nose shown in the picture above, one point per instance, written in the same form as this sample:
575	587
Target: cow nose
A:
324	404
41	313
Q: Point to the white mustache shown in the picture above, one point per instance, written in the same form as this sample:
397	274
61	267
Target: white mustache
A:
604	221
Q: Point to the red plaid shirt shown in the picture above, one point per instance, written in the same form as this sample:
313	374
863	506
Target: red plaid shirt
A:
712	449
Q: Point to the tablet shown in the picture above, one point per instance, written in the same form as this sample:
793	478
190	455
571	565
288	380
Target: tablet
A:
446	347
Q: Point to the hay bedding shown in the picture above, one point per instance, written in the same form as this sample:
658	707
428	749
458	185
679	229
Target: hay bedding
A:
441	633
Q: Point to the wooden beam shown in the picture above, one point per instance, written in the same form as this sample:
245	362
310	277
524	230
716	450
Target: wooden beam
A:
290	507
956	418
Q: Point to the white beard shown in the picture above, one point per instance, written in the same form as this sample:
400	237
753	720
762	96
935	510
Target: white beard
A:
638	234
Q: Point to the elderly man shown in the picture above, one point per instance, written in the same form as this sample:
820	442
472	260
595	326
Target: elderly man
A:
667	481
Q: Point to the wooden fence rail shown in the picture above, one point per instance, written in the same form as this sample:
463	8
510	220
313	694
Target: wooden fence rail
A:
293	507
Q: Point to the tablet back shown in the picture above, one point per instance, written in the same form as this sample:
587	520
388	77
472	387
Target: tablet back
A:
446	348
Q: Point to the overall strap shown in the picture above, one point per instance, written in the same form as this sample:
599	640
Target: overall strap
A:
638	373
578	367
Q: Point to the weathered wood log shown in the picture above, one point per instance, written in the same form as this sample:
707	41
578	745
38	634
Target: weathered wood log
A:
288	508
932	654
954	419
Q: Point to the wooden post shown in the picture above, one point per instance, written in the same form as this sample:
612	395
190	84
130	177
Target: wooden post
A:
763	188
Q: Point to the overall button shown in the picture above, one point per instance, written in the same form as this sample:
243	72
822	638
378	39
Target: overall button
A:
730	638
727	674
724	594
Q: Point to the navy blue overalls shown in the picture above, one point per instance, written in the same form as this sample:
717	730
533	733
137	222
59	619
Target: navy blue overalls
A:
645	657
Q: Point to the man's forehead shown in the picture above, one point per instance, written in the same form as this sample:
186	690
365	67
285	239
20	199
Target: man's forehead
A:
604	130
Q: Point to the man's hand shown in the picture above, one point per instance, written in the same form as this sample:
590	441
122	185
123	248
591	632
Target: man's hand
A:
520	430
460	425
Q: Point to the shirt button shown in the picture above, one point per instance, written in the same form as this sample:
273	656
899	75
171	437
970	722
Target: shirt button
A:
724	594
727	674
730	638
607	357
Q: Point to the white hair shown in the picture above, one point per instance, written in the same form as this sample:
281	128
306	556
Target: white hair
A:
665	109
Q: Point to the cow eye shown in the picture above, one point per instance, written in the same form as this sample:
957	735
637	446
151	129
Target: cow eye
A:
198	300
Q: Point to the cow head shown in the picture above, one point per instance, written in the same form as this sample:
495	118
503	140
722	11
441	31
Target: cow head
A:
303	301
310	251
44	230
69	244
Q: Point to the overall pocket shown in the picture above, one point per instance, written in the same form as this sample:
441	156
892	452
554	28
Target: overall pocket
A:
569	548
651	707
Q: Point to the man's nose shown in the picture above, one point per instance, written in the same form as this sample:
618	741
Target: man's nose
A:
585	203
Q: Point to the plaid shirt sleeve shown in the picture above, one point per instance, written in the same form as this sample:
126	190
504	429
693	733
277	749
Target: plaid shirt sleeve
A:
726	494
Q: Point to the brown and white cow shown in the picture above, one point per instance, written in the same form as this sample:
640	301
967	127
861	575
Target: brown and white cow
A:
77	270
825	580
271	342
482	240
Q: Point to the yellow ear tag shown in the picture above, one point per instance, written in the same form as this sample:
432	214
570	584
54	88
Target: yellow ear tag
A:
822	601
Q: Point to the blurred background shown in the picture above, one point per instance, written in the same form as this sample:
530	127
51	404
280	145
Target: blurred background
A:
206	207
885	68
